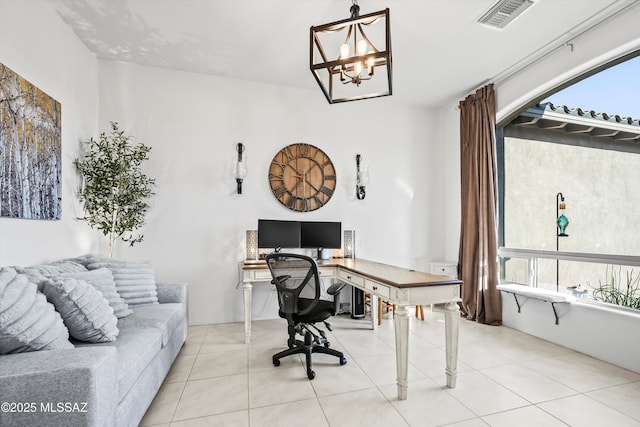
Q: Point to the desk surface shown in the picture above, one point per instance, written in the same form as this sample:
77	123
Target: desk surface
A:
391	275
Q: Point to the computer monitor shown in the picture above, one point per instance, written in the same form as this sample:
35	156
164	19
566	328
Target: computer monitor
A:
278	234
321	235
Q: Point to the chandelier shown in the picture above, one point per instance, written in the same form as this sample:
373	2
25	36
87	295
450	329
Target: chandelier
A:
362	65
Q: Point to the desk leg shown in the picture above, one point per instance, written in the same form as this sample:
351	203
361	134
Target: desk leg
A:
374	311
401	323
452	327
247	286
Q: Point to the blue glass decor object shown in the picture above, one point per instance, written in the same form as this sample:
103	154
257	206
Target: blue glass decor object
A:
562	222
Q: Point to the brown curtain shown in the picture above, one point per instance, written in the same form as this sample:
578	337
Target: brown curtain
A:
477	258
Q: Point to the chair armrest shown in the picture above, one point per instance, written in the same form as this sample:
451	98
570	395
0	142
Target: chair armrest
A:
60	387
335	288
171	292
280	279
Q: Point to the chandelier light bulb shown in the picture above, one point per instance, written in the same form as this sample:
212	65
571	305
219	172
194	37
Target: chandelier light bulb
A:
362	47
344	51
370	63
358	68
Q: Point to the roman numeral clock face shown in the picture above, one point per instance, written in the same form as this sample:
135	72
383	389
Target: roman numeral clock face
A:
302	177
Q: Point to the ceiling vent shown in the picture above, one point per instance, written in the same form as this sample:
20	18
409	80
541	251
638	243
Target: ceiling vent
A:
503	12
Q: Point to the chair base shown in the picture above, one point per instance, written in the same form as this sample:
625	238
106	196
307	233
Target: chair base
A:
308	347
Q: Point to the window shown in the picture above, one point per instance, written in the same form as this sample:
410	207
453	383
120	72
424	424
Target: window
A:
592	160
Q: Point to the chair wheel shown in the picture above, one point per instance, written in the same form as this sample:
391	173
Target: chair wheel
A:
343	360
311	375
276	362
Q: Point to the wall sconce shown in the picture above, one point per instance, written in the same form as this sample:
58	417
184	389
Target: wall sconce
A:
240	171
562	221
362	178
349	242
252	245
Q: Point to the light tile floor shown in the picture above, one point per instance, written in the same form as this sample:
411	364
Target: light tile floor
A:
505	378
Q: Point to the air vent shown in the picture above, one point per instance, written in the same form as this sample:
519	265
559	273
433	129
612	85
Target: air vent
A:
504	12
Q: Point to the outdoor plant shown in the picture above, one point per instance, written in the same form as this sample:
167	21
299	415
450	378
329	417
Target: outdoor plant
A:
115	191
614	291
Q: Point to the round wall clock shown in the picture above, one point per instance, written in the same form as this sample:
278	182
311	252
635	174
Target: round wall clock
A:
302	177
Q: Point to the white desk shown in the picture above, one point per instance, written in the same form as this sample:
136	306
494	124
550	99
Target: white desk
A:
400	286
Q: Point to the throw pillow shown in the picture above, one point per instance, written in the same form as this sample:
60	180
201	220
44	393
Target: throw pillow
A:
27	321
102	280
39	273
84	310
58	267
87	259
135	281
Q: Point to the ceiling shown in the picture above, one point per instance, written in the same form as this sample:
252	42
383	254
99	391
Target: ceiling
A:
440	52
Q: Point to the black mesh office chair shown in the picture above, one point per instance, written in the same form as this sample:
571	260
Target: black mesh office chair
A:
298	285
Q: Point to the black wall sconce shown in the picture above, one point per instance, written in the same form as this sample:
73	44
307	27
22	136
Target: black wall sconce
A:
362	178
240	171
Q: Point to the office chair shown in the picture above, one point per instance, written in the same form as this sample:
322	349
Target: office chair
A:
296	279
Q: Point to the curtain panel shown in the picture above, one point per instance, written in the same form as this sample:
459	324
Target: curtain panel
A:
477	257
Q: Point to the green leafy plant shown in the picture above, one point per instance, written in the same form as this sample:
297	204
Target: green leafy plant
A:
115	191
614	291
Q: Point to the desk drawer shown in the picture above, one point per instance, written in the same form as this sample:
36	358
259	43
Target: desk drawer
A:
265	275
261	275
377	288
351	278
326	272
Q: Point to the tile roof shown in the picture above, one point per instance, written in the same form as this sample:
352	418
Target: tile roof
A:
547	117
590	114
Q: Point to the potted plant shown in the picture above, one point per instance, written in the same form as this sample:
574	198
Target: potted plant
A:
615	291
115	191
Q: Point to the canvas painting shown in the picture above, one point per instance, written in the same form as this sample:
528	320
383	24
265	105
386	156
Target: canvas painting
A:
30	150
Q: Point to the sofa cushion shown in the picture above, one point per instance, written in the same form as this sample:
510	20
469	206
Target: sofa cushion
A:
136	348
84	310
102	280
135	281
27	321
164	317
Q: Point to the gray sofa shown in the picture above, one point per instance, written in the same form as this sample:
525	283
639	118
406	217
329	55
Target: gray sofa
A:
97	384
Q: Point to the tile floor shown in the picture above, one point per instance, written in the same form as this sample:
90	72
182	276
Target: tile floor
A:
505	378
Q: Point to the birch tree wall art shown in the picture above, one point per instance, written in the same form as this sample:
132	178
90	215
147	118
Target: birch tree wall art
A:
30	150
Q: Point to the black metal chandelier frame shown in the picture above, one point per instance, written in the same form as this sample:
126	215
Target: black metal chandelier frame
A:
343	70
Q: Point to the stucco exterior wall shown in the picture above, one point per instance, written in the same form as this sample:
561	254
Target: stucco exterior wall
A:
602	194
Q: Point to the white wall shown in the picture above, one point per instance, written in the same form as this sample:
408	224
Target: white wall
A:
36	44
599	330
611	40
195	231
448	130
